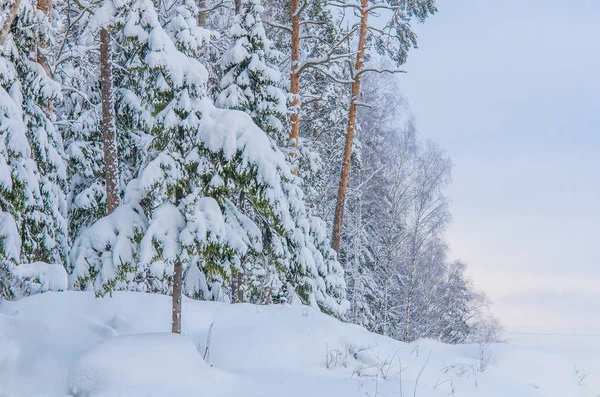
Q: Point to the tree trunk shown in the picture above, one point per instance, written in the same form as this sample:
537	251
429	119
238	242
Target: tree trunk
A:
10	17
177	279
318	79
202	13
345	172
238	6
108	124
44	6
234	293
240	284
177	292
295	84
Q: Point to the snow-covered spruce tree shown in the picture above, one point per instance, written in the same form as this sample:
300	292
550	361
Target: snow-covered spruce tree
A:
79	73
197	159
34	181
249	82
19	184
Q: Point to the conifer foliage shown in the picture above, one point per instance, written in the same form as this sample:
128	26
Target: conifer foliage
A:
145	146
199	159
32	166
249	82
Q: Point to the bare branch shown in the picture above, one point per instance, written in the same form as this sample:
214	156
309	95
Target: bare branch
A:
343	4
377	70
278	26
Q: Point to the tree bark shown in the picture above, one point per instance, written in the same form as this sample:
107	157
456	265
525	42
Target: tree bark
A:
177	295
177	278
202	13
10	17
351	128
238	6
240	289
295	83
108	124
44	6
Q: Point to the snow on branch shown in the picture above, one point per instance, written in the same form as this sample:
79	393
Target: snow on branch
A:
10	17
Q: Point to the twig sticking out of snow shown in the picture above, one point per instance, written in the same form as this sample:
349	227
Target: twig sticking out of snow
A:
206	356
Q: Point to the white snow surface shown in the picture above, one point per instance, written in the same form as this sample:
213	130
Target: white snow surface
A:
73	344
45	276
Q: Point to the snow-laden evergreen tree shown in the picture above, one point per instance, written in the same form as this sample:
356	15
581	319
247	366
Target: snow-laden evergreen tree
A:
178	210
79	74
34	170
250	83
19	182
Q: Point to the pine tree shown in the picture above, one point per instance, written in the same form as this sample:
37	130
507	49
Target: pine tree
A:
198	158
249	82
323	112
394	41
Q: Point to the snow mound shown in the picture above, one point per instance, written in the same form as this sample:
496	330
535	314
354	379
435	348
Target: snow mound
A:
60	344
41	277
145	365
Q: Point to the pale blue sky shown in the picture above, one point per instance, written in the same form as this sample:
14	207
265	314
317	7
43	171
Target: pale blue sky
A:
511	90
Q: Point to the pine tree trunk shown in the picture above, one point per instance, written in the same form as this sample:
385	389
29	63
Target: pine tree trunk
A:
295	83
238	6
177	295
345	173
202	13
108	124
45	7
10	17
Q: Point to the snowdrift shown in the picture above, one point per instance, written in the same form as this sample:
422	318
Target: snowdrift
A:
72	344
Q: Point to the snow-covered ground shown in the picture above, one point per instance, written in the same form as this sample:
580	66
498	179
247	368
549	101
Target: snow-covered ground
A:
582	348
70	343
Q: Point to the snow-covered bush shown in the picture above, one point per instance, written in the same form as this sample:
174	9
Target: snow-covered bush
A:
41	277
